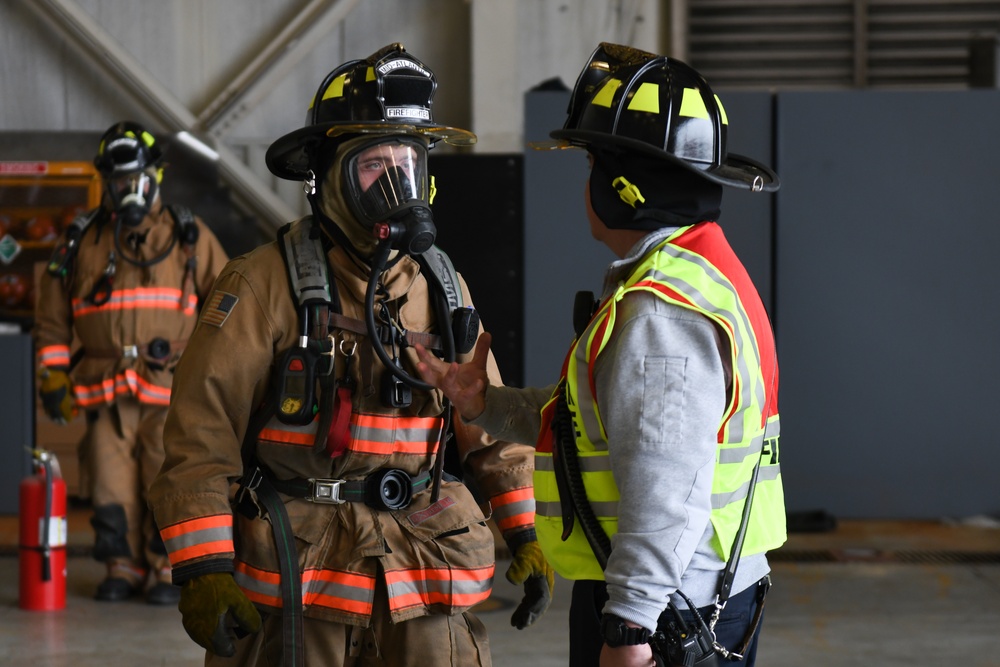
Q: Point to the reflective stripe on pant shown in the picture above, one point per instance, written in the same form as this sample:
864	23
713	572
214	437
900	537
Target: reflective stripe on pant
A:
426	641
126	452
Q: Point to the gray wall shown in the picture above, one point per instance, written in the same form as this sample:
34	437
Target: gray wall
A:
887	245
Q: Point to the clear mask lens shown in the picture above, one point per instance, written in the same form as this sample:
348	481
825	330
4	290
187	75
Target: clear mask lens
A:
387	177
130	190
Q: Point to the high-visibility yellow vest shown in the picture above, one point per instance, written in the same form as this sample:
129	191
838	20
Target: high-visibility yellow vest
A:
695	268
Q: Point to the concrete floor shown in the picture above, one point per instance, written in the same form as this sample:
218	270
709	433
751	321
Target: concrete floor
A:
867	593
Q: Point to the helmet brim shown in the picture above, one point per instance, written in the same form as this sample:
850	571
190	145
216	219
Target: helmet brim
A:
287	157
737	171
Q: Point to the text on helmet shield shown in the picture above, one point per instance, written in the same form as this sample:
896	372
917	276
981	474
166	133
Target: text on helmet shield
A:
385	68
407	112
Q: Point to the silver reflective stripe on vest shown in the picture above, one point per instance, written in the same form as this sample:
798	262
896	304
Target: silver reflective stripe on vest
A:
605	509
587	463
587	406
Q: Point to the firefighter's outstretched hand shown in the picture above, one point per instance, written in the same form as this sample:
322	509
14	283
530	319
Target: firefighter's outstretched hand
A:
56	394
214	611
530	568
463	384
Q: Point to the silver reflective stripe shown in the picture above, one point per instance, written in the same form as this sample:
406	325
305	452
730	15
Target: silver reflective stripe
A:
599	463
767	473
513	509
248	583
607	509
585	401
199	537
320	587
739	454
432	590
720	500
388	436
742	330
324	585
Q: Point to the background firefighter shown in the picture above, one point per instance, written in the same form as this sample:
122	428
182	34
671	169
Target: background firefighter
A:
342	548
124	285
668	395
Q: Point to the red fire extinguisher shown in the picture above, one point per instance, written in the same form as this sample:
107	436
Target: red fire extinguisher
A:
43	536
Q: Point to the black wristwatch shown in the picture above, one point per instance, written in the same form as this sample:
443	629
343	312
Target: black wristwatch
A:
616	633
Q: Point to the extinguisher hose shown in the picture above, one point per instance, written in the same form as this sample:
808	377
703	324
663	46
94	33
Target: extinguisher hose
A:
45	546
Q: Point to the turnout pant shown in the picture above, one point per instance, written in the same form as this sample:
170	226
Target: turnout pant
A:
126	452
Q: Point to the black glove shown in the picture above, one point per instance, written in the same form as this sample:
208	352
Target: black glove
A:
214	610
530	568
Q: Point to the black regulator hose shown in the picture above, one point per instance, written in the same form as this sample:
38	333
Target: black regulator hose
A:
378	265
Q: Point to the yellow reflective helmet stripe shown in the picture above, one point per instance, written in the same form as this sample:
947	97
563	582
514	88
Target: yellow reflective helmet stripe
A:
646	98
606	94
722	111
692	105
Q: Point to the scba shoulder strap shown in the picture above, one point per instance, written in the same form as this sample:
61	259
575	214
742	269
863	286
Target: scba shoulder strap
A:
187	228
305	258
62	257
61	261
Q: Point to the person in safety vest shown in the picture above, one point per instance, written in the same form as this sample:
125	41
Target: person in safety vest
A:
115	307
342	540
666	411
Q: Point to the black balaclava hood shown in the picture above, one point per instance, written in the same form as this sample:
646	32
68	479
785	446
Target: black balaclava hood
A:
672	196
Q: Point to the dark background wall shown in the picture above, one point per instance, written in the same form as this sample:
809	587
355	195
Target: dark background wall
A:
887	240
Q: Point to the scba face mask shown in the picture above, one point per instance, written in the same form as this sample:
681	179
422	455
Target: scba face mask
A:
387	182
132	195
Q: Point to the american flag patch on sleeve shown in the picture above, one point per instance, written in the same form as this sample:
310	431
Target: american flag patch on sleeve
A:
218	308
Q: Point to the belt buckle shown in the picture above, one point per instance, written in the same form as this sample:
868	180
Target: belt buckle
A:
130	352
325	491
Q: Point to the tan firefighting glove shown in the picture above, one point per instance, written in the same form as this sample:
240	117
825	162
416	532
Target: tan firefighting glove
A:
530	568
214	610
57	395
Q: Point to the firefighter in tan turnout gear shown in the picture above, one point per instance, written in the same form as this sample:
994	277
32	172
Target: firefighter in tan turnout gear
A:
115	307
302	500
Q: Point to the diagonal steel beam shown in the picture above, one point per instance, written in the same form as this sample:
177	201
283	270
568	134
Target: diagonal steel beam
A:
268	68
85	35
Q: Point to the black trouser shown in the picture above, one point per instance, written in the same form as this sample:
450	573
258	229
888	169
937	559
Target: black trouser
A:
585	641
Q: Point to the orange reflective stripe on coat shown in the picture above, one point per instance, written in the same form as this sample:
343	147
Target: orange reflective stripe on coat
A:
514	509
204	536
336	590
54	355
126	382
438	587
369	434
165	298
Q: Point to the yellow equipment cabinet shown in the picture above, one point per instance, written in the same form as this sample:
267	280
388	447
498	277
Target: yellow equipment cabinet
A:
38	199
